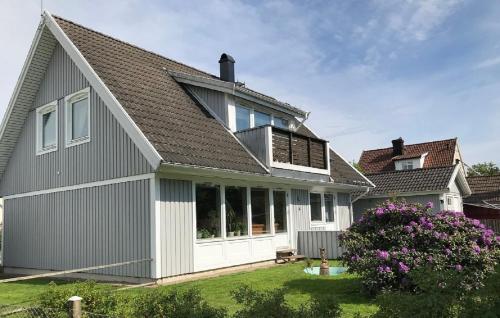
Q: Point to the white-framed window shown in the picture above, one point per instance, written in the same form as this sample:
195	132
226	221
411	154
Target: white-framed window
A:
247	117
46	128
261	119
407	165
242	118
322	207
316	207
77	118
281	122
329	199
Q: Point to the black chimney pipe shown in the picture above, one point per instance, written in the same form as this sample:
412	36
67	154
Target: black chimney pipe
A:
398	146
226	68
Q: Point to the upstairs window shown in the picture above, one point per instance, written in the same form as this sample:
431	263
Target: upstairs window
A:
242	118
407	165
46	131
281	122
261	119
78	118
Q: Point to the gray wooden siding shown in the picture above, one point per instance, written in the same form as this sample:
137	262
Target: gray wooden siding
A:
300	209
214	99
81	228
176	224
344	209
363	204
255	140
309	243
110	153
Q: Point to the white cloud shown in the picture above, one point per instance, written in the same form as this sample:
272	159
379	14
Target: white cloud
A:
488	63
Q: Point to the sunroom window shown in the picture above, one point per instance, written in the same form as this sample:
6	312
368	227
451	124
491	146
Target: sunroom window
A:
315	202
329	208
281	122
261	216
78	118
236	211
261	119
279	198
46	117
208	213
242	118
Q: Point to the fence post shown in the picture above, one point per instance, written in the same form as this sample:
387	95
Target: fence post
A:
75	307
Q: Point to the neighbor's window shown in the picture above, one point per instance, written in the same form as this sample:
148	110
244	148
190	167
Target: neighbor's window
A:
208	214
242	118
315	201
77	118
261	217
329	207
261	119
281	122
407	165
46	117
236	211
279	198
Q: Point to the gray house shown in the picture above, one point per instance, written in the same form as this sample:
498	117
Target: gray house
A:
419	173
111	153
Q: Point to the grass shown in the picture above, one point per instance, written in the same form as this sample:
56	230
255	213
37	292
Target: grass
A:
299	287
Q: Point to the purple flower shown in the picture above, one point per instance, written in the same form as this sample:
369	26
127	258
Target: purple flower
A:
403	268
428	225
447	251
414	209
475	222
408	229
430	258
476	249
383	255
355	258
404	250
458	268
381	232
413	223
429	205
384	269
391	207
379	212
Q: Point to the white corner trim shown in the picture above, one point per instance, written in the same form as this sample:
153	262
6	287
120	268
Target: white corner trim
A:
156	266
80	186
341	157
134	132
22	76
207	108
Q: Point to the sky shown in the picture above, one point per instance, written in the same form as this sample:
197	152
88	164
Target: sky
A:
368	71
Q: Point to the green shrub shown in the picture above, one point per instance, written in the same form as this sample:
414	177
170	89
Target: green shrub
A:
94	298
159	302
272	304
392	240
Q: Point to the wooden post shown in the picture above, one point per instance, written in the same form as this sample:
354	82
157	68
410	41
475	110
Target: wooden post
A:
309	152
290	148
75	307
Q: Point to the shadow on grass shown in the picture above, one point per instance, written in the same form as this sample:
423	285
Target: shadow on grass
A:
345	290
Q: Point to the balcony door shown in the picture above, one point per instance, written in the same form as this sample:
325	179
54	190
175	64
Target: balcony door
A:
281	215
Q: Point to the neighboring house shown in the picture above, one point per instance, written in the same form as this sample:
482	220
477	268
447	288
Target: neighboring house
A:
420	173
484	203
110	153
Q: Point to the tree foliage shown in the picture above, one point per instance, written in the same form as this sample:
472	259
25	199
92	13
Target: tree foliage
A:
483	169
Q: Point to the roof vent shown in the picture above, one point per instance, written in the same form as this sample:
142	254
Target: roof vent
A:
226	68
398	146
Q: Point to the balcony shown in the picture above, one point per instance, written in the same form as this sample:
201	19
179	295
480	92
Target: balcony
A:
283	149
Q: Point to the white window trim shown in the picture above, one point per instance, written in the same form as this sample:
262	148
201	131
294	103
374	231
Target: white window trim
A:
40	111
68	101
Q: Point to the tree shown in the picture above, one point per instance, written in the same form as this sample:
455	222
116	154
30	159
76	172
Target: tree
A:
357	166
483	169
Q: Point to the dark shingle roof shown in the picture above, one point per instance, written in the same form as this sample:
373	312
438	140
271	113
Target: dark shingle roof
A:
440	153
416	180
180	129
484	188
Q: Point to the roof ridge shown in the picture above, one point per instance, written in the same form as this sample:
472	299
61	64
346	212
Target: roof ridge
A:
409	170
420	143
495	175
131	45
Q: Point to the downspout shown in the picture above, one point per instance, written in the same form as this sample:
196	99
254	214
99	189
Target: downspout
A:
361	195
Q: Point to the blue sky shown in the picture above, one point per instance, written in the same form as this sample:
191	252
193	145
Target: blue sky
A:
369	71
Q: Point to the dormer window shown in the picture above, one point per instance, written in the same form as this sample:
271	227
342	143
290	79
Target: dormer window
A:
261	119
407	165
77	118
242	118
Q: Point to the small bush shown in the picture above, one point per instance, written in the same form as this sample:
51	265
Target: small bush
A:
160	302
272	304
95	298
390	241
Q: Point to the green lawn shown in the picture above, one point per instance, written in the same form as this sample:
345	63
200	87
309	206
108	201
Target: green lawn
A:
299	288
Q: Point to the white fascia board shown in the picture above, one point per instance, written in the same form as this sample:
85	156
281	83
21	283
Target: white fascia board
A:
231	88
21	78
357	171
458	173
134	132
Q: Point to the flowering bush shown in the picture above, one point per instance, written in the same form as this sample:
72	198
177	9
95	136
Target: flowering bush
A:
390	241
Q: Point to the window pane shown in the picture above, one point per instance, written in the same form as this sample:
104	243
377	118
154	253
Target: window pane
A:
242	118
261	119
329	209
49	129
208	214
79	119
315	199
281	122
261	217
279	198
236	211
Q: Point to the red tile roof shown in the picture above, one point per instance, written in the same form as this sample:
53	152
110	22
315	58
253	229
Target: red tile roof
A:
484	188
441	153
